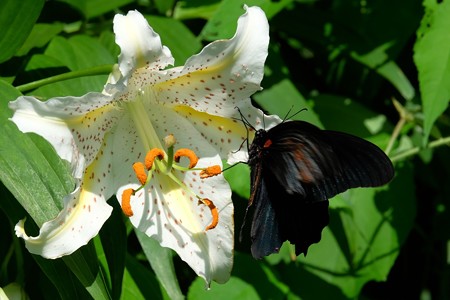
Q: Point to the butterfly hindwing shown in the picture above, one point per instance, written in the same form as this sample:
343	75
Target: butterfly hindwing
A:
285	219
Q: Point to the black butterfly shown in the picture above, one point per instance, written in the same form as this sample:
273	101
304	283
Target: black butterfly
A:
295	168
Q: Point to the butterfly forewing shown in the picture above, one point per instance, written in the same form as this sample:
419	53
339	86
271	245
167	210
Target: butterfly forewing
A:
325	162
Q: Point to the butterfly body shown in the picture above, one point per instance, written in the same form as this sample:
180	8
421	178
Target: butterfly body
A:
295	168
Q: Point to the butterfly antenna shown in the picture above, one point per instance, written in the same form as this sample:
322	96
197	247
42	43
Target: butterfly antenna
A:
247	126
287	116
244	120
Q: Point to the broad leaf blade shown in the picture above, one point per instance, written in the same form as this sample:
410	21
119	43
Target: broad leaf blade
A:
30	167
432	58
16	22
114	241
160	259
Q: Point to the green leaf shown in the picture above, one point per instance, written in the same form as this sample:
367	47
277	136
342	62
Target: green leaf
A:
16	22
344	114
239	179
283	98
114	241
250	280
432	58
77	53
84	264
363	239
68	286
30	167
164	7
95	8
160	259
195	9
40	36
130	289
235	288
223	23
176	36
379	61
143	283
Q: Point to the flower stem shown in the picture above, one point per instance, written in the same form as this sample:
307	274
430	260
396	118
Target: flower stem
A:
99	70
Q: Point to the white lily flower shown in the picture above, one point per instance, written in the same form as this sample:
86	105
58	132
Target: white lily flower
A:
103	134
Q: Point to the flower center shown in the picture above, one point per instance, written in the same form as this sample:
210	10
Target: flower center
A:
155	159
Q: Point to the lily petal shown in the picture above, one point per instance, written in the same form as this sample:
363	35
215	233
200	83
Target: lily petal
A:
83	215
224	73
140	46
75	126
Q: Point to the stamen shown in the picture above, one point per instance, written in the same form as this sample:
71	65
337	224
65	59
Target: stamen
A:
210	171
140	171
151	155
193	159
214	213
126	205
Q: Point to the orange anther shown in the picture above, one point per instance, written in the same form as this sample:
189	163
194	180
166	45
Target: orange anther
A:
151	155
214	213
210	171
140	171
126	205
193	159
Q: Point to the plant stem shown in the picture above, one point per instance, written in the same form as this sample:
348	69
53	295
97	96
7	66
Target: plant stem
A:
404	116
99	70
415	150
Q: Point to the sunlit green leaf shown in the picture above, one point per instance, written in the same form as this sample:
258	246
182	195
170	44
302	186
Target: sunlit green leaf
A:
39	37
16	22
177	37
284	100
95	8
223	23
31	169
235	288
77	53
431	56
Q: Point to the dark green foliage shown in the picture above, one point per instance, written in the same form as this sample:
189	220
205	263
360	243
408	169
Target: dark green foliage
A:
346	61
